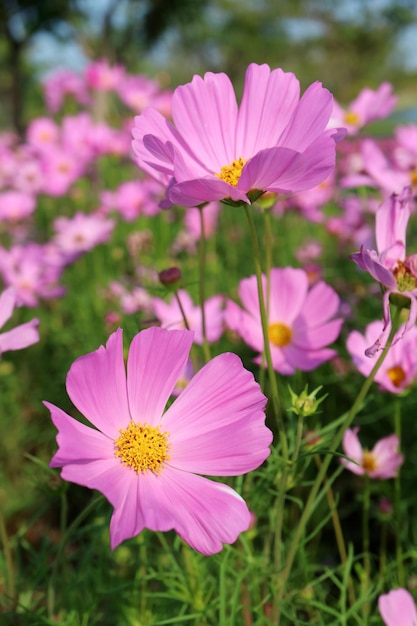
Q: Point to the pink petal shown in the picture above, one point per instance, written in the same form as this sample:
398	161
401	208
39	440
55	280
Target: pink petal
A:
217	424
321	303
306	360
20	337
194	192
398	608
289	288
246	326
7	304
204	113
268	101
284	170
96	384
157	358
353	450
315	338
309	119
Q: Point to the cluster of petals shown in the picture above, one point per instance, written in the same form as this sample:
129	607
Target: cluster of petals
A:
215	427
78	234
20	336
398	608
399	369
301	321
171	315
389	265
382	462
275	141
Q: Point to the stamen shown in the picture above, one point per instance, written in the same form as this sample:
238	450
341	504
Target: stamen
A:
396	375
404	277
142	447
279	334
351	118
231	173
369	462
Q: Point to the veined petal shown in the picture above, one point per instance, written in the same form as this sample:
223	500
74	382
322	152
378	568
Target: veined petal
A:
316	337
268	102
96	384
205	113
310	118
285	170
321	303
221	393
304	359
78	443
194	192
289	288
157	358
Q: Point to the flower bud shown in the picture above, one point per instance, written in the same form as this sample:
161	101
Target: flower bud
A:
170	276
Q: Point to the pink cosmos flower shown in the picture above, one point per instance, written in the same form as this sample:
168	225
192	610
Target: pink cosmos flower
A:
369	105
80	233
399	369
16	205
300	322
381	462
274	141
398	608
146	461
170	315
390	266
21	336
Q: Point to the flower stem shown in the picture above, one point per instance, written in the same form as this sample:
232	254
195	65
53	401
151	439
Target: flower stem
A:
366	556
8	557
187	326
295	542
202	281
397	501
267	348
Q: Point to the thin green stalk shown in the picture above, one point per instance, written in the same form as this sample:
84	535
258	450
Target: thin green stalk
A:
84	513
264	322
397	501
337	527
201	287
295	542
268	256
8	557
366	556
187	326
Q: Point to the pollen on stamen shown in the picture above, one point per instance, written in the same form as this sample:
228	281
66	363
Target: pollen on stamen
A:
279	334
231	173
369	462
142	447
396	375
351	118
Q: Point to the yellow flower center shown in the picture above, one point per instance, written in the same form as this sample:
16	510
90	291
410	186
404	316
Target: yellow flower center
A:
231	173
369	462
396	375
413	178
406	281
352	118
279	334
142	447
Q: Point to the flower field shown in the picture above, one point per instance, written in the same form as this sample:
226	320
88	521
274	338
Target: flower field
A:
208	355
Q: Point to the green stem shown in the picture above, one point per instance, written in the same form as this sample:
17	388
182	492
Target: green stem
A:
84	513
295	542
201	287
8	557
187	326
397	501
366	556
264	322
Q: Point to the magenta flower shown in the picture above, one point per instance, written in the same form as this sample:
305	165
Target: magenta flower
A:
300	323
170	315
146	461
398	608
21	336
274	141
381	462
399	369
390	266
368	106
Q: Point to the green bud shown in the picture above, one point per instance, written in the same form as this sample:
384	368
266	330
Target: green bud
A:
305	403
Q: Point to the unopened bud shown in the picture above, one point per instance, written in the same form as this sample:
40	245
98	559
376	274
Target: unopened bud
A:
170	276
305	403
